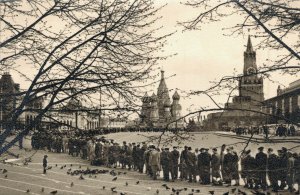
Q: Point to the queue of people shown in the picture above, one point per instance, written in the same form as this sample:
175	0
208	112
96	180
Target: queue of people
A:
281	130
220	166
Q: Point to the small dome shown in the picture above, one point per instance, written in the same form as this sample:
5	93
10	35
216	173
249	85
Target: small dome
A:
154	97
145	98
167	103
176	96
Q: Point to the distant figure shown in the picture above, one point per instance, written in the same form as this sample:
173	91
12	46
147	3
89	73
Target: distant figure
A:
45	163
292	130
265	131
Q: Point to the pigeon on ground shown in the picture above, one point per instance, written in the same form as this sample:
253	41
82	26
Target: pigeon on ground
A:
95	176
185	189
226	193
137	182
43	189
5	176
113	189
157	191
167	188
212	192
125	173
27	191
81	177
122	193
50	167
55	165
119	173
4	171
115	178
72	184
61	167
164	185
71	165
103	187
198	191
53	192
126	183
233	190
65	166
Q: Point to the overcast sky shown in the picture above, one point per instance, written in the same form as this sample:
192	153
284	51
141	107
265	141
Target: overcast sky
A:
207	54
204	55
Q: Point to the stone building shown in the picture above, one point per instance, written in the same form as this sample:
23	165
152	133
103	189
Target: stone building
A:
285	107
72	115
158	110
8	99
245	108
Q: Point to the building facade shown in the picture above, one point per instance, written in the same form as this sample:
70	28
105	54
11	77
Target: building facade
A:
158	110
285	107
70	116
245	108
9	99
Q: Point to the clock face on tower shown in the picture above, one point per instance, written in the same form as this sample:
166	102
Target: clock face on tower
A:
251	70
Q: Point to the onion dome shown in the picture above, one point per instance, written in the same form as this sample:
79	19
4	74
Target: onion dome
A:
145	98
154	97
176	96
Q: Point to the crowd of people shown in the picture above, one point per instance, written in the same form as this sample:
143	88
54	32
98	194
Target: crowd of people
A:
280	130
221	166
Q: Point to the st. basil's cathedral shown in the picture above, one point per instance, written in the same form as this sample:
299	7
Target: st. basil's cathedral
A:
159	111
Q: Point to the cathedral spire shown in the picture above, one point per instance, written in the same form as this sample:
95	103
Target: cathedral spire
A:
249	45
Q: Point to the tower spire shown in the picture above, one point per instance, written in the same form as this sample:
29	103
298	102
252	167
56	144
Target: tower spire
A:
249	45
162	74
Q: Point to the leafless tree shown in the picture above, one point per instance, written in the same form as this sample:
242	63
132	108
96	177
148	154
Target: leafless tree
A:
276	24
74	48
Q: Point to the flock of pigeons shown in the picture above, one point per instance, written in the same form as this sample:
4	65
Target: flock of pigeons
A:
92	173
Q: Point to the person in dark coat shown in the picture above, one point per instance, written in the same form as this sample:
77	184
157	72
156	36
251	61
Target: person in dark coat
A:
222	154
134	156
45	162
234	173
191	163
204	159
283	165
291	172
165	161
297	169
261	161
183	166
226	167
215	167
140	158
174	159
250	166
273	166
